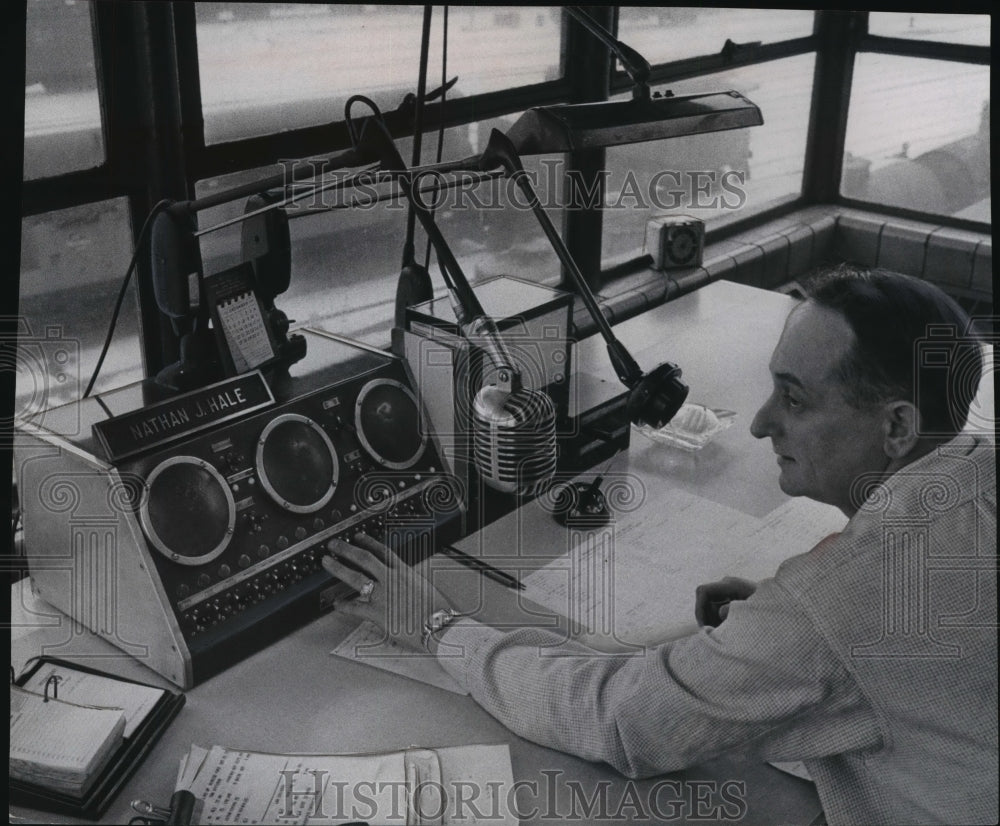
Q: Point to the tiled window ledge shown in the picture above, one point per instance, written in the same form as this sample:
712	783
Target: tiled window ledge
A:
773	256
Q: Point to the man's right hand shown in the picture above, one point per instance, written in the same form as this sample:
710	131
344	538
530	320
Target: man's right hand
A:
711	601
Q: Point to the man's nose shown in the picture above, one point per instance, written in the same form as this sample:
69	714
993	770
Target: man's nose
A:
763	424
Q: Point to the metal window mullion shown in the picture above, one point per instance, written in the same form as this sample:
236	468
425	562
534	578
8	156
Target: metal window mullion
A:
663	73
192	118
583	227
234	156
141	119
930	49
838	33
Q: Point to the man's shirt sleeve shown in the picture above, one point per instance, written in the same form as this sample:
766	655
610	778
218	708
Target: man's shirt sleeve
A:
765	679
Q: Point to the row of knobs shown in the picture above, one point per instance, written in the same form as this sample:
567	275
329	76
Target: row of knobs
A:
220	608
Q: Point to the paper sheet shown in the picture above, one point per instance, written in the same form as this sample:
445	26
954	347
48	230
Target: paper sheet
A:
249	787
364	644
94	690
234	786
480	780
635	582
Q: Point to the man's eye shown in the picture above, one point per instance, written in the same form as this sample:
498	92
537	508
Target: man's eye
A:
791	401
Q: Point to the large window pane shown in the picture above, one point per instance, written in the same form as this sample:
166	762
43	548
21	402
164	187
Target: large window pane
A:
268	67
972	29
918	135
346	259
62	118
662	34
716	176
72	265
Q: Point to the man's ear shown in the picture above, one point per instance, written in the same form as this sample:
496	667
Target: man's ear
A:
900	427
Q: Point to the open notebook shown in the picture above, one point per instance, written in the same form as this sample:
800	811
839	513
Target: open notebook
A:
77	734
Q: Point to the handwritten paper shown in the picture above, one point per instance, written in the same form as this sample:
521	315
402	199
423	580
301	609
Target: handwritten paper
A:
454	786
635	582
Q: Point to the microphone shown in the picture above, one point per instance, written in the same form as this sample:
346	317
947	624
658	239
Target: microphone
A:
513	427
514	439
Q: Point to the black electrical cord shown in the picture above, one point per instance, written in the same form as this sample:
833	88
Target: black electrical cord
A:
162	205
351	129
444	100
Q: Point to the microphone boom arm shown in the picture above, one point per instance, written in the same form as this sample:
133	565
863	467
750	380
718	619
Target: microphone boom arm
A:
472	318
655	397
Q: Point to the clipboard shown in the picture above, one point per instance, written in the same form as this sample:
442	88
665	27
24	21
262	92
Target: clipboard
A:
119	768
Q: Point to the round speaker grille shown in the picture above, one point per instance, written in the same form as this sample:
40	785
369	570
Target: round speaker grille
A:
188	513
297	463
387	418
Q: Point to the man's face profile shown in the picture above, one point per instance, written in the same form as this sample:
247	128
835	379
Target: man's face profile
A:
823	443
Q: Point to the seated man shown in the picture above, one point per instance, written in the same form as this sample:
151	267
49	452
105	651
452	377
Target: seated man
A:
878	671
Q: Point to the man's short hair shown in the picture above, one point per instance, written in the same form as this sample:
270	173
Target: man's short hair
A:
912	342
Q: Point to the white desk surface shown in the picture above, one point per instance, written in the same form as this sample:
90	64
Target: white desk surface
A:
295	697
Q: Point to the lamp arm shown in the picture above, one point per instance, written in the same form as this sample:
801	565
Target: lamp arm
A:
300	170
635	65
500	151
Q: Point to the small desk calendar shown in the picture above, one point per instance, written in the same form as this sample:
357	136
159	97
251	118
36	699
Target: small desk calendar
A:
245	341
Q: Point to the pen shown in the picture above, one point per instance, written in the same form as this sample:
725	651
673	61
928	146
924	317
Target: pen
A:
484	568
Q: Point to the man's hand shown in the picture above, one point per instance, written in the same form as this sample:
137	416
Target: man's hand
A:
390	593
711	601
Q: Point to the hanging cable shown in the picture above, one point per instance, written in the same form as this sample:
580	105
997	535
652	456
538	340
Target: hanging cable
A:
444	99
162	205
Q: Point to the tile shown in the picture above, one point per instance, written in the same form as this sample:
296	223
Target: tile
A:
749	265
824	228
902	247
719	267
801	250
856	239
982	269
949	257
776	250
687	280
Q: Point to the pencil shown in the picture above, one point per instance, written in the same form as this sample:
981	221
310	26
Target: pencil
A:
484	568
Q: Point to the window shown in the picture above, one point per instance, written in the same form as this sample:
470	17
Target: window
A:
269	67
716	175
918	136
347	244
668	33
973	29
72	265
62	116
271	80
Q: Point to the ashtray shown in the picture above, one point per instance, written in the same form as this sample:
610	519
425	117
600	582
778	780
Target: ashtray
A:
692	428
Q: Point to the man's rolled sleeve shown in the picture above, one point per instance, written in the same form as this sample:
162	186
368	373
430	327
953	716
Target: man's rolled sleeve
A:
747	682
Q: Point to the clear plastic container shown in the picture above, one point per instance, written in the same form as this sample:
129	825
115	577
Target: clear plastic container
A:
692	428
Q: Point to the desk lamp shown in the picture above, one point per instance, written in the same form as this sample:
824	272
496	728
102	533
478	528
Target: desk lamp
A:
656	396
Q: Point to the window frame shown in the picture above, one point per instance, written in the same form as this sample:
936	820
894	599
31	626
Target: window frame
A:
148	83
906	47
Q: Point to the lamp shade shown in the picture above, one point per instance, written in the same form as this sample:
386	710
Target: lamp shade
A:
567	127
